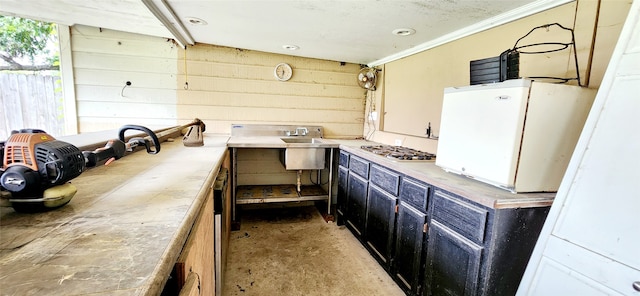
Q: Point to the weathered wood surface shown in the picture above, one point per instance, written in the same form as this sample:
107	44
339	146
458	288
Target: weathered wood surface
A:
122	232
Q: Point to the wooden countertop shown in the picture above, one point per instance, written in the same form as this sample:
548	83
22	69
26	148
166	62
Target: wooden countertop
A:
425	171
473	190
122	232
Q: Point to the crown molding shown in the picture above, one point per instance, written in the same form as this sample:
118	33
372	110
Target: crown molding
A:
518	13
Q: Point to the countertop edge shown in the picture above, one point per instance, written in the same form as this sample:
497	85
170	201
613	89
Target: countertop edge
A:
497	199
171	254
486	195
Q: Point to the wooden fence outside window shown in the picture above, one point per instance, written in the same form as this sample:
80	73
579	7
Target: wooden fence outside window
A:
31	101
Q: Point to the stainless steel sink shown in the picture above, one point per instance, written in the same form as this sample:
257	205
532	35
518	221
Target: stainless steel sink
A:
303	157
301	140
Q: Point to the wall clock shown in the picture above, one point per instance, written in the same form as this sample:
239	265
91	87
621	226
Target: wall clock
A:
283	72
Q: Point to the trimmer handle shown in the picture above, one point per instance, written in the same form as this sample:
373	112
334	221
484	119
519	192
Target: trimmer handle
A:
137	141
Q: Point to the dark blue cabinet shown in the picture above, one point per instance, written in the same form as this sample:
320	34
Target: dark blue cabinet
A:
475	250
415	193
343	159
462	217
356	206
381	213
341	207
359	167
456	234
453	263
411	238
431	241
381	217
353	184
385	179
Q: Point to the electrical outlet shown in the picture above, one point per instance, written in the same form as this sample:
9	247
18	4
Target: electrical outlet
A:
398	142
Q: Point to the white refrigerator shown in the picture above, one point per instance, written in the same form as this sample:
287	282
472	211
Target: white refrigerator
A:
517	135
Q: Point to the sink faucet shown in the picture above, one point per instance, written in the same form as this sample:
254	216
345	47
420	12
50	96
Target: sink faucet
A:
302	131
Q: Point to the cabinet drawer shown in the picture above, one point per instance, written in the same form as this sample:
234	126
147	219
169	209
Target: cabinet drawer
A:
344	159
359	166
415	193
467	220
385	179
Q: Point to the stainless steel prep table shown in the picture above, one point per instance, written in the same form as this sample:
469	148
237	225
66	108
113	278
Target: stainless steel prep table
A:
275	142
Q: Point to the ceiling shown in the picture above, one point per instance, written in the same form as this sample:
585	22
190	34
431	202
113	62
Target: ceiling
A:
355	31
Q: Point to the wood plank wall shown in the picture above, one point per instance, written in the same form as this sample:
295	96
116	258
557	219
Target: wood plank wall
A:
230	85
104	60
225	86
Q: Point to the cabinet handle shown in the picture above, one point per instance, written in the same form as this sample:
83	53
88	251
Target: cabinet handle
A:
636	286
425	228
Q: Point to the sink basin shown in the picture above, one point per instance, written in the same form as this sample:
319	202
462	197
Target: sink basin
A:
301	140
302	157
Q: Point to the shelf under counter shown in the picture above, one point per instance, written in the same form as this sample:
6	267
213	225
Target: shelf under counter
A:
254	194
260	177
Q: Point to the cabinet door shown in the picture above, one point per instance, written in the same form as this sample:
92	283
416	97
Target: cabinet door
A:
410	239
381	218
191	286
198	252
341	207
453	262
356	204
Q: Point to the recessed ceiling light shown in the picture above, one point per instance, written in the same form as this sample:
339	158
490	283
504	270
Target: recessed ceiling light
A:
403	32
291	47
195	21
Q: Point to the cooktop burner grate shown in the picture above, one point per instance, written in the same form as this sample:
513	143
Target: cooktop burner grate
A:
398	152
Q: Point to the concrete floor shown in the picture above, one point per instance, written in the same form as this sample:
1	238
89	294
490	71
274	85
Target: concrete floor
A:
293	251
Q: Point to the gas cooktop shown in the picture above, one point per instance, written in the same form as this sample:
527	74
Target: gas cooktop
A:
398	152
